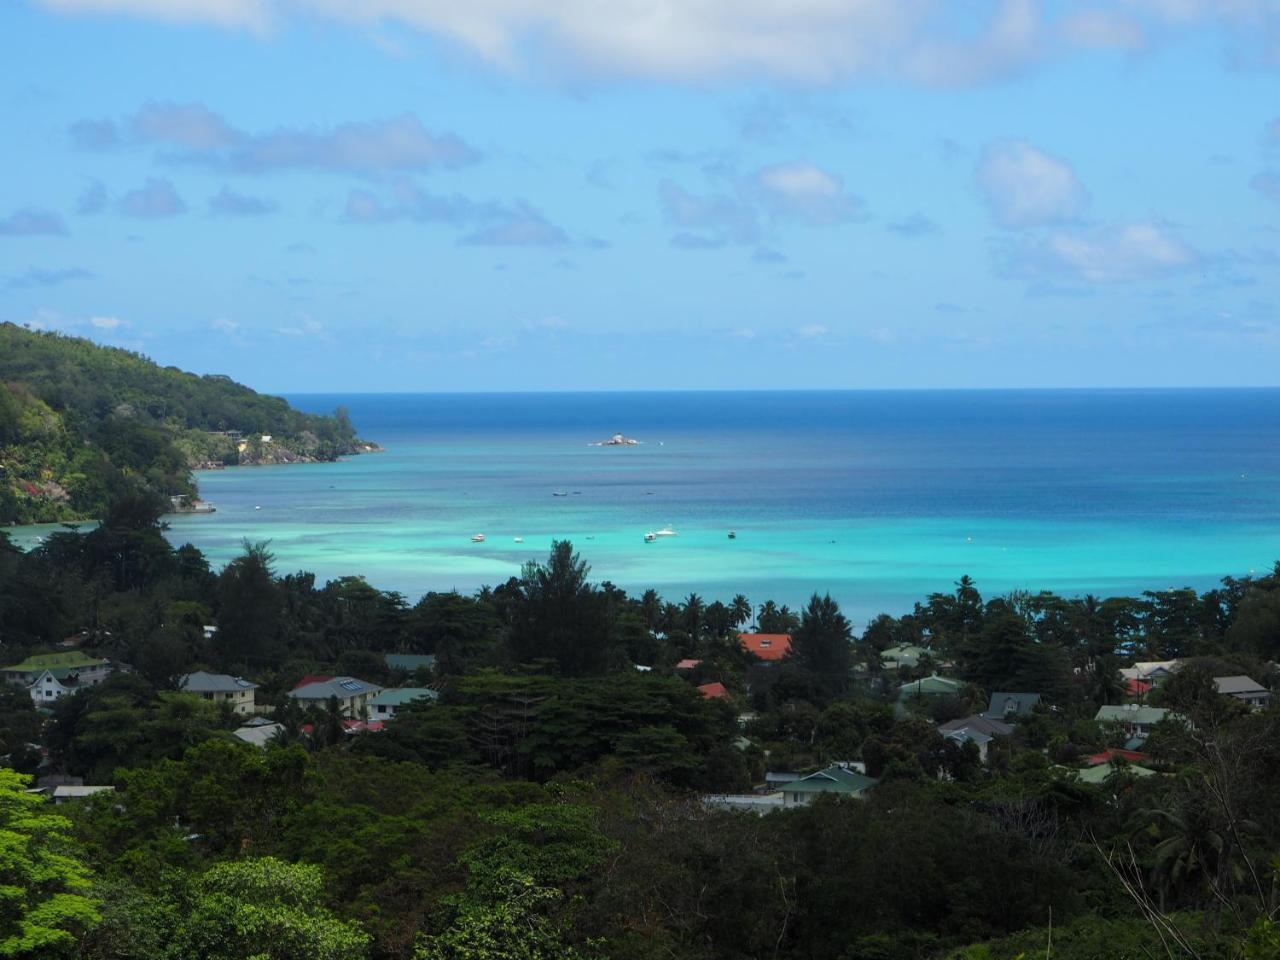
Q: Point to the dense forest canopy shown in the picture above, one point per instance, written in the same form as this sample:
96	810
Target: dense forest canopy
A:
79	420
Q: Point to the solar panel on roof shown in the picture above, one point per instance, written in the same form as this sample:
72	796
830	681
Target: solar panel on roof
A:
350	684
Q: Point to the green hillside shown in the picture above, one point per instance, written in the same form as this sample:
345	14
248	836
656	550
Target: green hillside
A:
77	419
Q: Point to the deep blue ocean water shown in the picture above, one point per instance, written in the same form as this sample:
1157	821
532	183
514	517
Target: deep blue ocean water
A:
877	497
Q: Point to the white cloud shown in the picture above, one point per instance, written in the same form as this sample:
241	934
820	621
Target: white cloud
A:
805	192
1026	187
816	40
197	134
32	222
1116	253
707	221
1103	29
107	323
153	200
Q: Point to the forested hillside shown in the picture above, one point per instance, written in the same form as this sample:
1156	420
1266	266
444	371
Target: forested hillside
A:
77	419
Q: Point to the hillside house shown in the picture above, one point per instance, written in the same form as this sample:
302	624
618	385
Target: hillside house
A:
766	647
353	695
1246	690
835	779
384	705
1006	706
50	676
221	688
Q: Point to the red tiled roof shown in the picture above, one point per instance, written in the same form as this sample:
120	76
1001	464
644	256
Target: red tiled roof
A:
714	691
312	678
687	664
1111	753
1136	688
766	646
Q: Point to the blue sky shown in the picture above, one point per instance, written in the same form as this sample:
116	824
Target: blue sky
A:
616	194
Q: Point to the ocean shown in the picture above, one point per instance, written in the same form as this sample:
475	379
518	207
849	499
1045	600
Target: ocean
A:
876	497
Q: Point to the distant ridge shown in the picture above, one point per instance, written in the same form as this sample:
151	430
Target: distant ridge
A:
78	420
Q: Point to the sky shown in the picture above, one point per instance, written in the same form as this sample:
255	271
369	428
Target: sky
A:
421	195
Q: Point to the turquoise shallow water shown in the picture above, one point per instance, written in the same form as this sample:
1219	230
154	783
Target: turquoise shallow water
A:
879	498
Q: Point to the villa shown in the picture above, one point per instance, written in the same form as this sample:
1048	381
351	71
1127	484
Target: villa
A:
353	695
221	688
766	647
51	676
387	702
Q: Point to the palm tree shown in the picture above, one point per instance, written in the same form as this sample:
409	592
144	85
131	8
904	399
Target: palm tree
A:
651	609
740	607
692	613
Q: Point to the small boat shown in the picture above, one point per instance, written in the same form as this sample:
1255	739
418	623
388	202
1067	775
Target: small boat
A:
257	508
664	532
650	537
560	493
478	538
517	539
732	535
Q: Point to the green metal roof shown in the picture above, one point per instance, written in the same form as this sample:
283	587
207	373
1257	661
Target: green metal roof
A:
59	664
834	779
926	686
400	696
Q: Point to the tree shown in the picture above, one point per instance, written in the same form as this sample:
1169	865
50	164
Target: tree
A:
44	902
250	607
823	644
264	909
561	617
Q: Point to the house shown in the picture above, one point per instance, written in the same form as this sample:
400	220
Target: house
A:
714	691
687	664
1137	720
410	662
353	695
221	688
1154	672
49	676
1100	772
766	647
1003	706
385	704
259	734
65	793
931	686
1244	689
965	735
835	779
979	723
976	729
1111	753
903	656
776	779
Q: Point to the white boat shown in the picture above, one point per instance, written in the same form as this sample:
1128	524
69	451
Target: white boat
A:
664	532
517	539
478	538
650	537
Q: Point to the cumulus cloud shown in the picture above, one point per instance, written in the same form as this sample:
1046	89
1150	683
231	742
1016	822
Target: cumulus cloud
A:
154	200
707	221
1026	187
490	222
32	222
107	323
226	202
37	277
1108	254
820	40
193	133
1103	30
805	192
926	41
